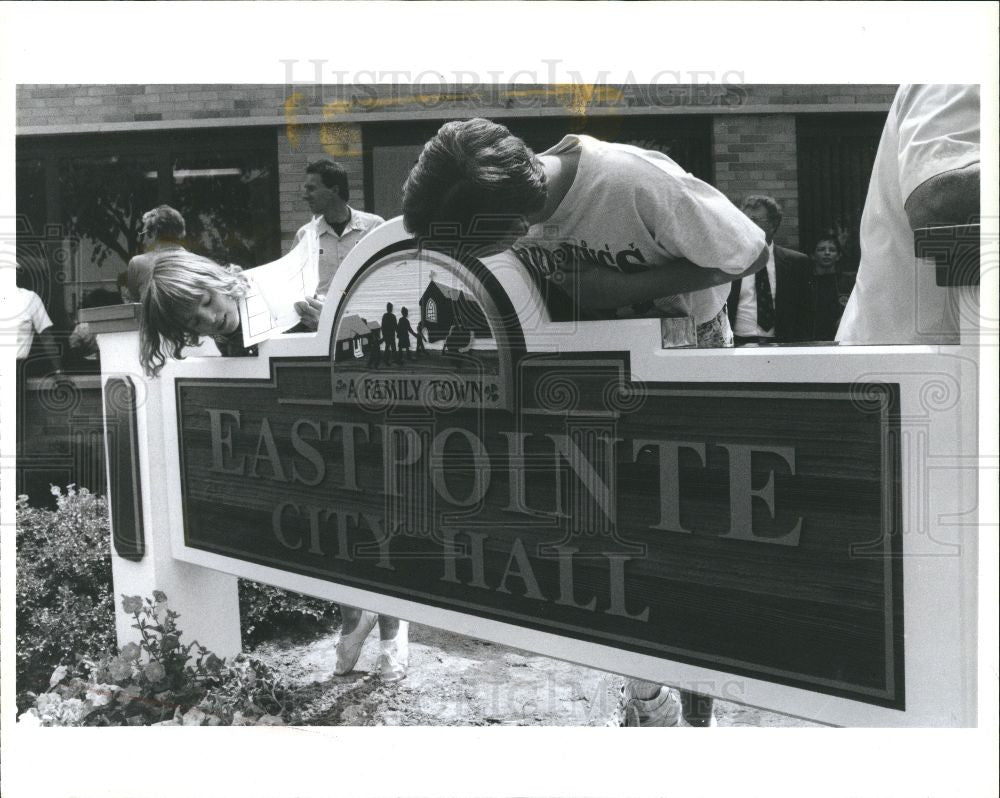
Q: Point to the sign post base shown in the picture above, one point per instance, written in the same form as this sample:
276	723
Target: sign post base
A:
142	560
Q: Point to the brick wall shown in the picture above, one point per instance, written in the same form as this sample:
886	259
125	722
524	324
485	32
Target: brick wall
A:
298	145
754	126
837	96
39	106
755	154
83	105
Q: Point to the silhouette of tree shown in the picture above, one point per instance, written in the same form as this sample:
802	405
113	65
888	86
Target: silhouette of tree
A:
225	202
103	200
229	216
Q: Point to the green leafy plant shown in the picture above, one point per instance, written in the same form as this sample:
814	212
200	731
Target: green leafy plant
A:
65	603
268	612
159	680
64	596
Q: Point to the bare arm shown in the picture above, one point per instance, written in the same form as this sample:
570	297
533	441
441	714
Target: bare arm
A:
946	199
48	348
603	288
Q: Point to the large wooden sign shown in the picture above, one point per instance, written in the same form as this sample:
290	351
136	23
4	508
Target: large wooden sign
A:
691	516
660	518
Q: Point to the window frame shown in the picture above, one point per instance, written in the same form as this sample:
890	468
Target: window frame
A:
163	147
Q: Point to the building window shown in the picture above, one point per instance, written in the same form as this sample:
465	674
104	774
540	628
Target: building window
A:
836	153
102	198
431	311
226	201
34	250
84	197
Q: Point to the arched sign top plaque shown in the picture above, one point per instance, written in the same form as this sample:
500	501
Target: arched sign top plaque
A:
427	327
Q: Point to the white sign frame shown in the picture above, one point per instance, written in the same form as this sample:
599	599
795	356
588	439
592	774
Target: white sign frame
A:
938	409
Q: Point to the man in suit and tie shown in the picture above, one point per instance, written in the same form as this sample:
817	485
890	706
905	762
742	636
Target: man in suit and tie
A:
771	306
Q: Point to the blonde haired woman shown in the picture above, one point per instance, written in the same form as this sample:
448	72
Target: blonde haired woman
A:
188	297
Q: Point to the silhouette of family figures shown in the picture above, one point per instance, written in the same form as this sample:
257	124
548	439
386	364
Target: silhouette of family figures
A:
395	335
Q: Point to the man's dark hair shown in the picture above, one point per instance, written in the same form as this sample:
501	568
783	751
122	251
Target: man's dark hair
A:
832	239
163	224
770	204
474	175
332	174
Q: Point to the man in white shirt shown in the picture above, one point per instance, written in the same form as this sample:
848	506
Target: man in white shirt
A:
926	174
339	228
338	225
26	317
31	319
771	306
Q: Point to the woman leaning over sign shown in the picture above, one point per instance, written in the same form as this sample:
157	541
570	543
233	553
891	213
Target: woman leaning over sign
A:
188	297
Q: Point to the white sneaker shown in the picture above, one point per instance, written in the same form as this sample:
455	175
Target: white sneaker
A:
663	709
395	656
349	646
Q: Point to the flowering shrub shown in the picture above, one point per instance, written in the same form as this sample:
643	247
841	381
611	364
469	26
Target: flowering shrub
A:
64	600
65	607
162	681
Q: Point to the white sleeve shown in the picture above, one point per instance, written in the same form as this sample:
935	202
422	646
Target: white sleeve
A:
938	131
691	219
39	318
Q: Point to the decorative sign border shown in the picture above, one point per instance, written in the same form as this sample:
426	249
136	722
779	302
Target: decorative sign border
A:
122	445
874	398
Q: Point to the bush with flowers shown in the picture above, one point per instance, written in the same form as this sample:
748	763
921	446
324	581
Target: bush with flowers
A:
162	681
65	606
64	596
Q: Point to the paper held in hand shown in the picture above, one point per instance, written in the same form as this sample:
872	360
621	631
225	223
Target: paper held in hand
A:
268	309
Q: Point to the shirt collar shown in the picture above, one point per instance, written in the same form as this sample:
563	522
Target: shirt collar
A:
322	226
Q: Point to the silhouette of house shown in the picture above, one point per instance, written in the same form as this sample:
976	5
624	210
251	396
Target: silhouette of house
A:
354	338
442	307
